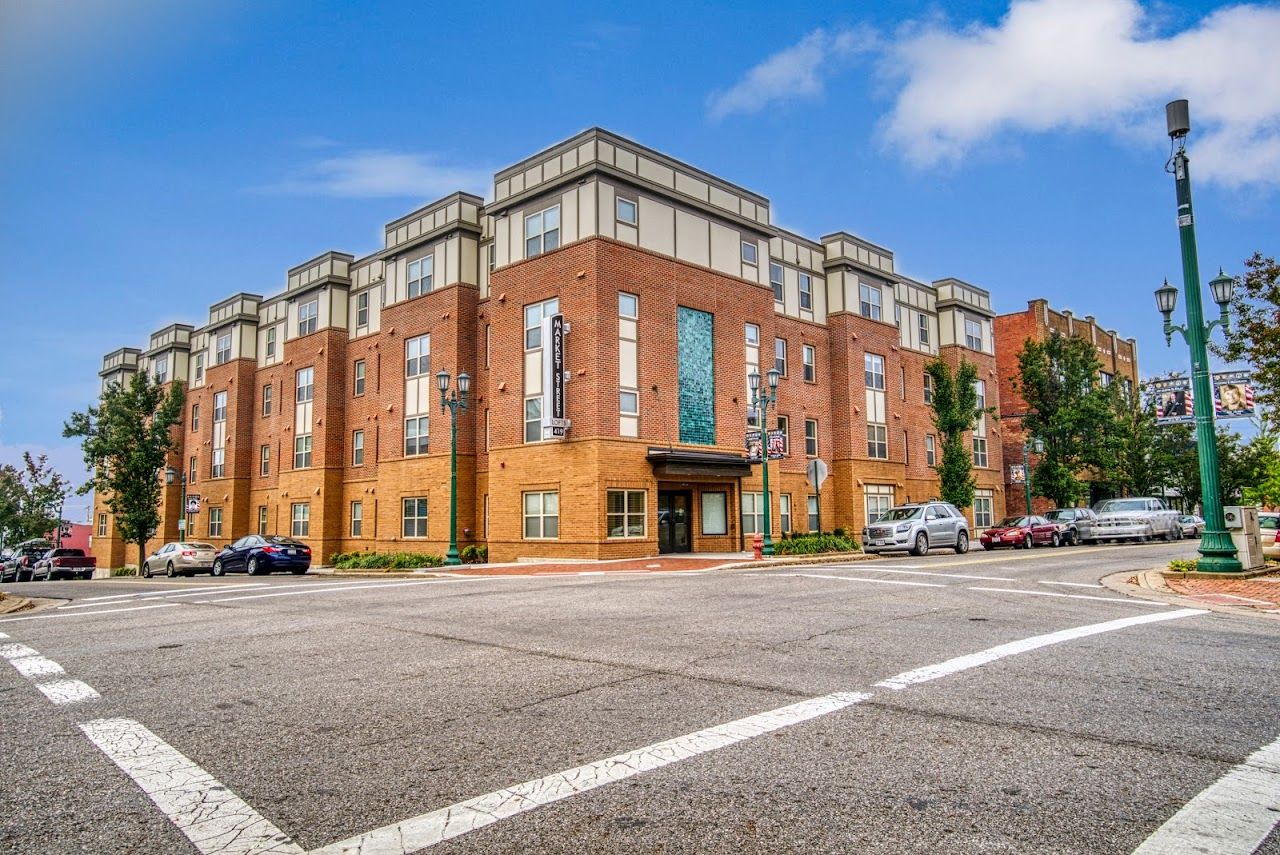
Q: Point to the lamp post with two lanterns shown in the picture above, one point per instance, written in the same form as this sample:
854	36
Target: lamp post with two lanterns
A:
454	402
761	400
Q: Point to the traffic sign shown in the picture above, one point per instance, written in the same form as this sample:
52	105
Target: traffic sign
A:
817	472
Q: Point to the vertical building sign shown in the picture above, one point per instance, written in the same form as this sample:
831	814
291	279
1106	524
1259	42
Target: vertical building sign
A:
554	422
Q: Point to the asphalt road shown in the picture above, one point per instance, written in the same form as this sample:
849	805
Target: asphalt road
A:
723	711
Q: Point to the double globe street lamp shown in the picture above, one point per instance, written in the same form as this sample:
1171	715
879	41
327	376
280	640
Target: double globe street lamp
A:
454	402
1217	552
1029	445
761	400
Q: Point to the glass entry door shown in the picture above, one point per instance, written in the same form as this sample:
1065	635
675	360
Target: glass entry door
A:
674	534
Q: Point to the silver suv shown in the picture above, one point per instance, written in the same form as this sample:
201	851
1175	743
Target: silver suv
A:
917	528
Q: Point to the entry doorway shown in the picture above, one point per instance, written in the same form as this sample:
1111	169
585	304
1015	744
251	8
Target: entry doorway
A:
674	527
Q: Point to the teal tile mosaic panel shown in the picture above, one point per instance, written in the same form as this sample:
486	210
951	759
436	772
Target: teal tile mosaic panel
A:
695	343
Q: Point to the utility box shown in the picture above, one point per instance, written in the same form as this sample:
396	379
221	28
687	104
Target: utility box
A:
1242	525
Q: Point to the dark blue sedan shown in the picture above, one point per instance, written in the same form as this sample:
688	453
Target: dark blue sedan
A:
255	554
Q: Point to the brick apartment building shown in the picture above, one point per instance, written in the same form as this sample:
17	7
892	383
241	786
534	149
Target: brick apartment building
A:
1118	356
315	411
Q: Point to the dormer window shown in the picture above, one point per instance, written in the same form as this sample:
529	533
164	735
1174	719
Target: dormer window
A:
161	367
542	231
222	349
308	317
420	274
627	211
750	253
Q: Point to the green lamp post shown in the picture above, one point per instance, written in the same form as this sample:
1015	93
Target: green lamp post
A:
1217	552
761	400
1028	446
453	402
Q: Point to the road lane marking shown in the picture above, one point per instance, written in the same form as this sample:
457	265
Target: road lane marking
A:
14	651
36	666
914	572
83	614
873	581
1073	584
446	823
327	590
212	817
1127	600
3	635
68	691
982	657
1233	815
191	592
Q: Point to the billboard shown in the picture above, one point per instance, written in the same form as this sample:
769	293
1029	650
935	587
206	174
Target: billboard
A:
1175	404
1233	395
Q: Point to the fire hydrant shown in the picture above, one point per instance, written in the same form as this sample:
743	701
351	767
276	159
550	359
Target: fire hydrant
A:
757	546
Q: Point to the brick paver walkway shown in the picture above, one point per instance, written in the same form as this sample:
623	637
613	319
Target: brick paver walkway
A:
1261	592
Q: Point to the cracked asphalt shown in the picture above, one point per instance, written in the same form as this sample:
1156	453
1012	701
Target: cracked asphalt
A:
332	710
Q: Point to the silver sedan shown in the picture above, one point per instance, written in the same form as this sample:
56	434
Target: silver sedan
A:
180	559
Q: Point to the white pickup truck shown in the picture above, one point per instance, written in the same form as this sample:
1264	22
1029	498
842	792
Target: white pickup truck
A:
1139	519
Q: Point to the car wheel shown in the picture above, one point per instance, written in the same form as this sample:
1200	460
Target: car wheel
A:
218	569
1073	537
168	570
1056	541
1028	543
253	566
962	543
146	570
922	544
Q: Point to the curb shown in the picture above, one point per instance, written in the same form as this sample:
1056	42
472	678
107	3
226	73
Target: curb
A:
1151	586
10	604
594	567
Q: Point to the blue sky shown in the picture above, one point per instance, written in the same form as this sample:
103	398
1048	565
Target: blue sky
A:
154	159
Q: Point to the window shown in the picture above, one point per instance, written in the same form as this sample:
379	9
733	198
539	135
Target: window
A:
626	211
784	512
415	435
749	253
306	384
715	513
931	450
877	442
533	315
419	275
928	388
980	451
262	520
972	334
1104	379
358	373
362	309
780	355
302	451
413	517
191	477
357	519
219	435
752	333
301	520
532	419
266	400
195	417
982	512
220	407
102	525
629	403
873	368
542	231
879	499
811	437
870	301
775	279
199	368
357	448
752	513
264	460
417	356
541	515
222	349
215	522
308	317
493	256
784	427
625	513
806	291
922	325
980	390
161	367
628	305
809	356
814	522
271	343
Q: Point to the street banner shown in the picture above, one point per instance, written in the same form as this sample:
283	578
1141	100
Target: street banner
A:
193	503
1175	404
1017	474
1233	395
777	445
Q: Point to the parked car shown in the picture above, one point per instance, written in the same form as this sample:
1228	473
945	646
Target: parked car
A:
917	528
1077	524
1268	524
8	565
28	553
65	563
1191	525
1139	519
256	554
180	558
1023	533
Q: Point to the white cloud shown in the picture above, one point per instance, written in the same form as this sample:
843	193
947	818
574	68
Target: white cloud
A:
1052	65
794	73
379	173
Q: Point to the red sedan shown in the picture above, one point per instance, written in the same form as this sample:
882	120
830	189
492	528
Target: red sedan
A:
1022	533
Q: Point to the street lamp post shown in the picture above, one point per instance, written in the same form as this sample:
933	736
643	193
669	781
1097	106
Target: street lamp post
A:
170	474
761	400
1217	552
1028	446
453	402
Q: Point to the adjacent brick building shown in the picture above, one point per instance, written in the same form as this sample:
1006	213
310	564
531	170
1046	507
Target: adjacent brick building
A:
315	411
1118	358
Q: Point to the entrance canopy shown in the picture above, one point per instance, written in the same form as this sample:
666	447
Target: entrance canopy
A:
682	463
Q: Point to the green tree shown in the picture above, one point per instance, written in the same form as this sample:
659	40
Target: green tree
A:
955	411
126	439
30	499
1070	411
11	499
1254	336
1132	466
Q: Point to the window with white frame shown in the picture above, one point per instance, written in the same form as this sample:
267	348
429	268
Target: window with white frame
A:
812	506
625	513
879	499
357	448
980	452
628	305
219	434
809	358
308	317
264	460
628	364
784	428
102	525
750	252
492	256
160	367
302	451
983	514
542	231
775	279
191	469
262	520
922	326
357	519
266	400
1104	379
628	403
870	301
873	371
533	315
811	437
199	368
806	291
972	334
215	522
419	274
417	356
715	513
413	517
931	450
305	381
533	419
219	407
271	343
928	388
541	515
877	442
780	355
362	309
980	392
416	431
752	513
784	512
222	349
626	211
300	519
195	417
358	372
752	333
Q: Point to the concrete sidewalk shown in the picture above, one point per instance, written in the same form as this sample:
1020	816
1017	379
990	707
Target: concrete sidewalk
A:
1257	595
654	564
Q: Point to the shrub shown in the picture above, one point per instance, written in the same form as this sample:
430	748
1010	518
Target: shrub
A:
125	571
385	560
475	554
1179	565
840	531
812	544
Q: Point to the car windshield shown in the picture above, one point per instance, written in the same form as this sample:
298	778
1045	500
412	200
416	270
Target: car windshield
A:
196	545
1060	515
284	541
899	514
1012	522
1111	506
